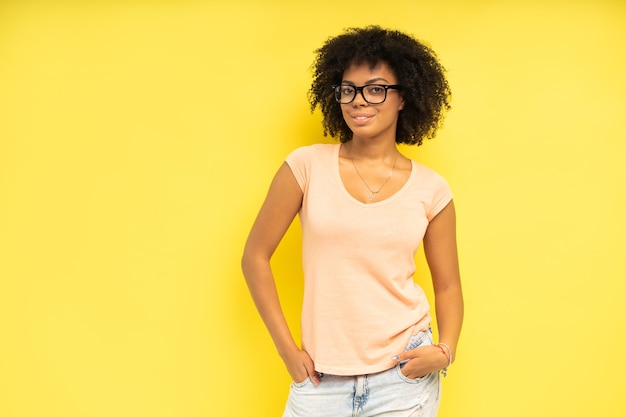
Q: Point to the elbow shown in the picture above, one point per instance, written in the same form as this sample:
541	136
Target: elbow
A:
245	262
251	261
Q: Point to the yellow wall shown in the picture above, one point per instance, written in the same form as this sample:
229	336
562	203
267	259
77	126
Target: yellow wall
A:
137	140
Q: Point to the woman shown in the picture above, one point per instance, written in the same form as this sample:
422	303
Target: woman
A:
367	346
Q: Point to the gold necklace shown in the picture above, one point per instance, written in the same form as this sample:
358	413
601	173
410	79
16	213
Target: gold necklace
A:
373	193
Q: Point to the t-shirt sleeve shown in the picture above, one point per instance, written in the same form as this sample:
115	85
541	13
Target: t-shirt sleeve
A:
442	195
299	162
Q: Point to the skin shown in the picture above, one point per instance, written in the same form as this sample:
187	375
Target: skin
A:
373	149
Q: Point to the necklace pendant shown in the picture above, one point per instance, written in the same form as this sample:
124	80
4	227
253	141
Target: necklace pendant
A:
372	196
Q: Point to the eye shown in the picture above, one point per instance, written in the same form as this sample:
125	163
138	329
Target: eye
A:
347	90
376	89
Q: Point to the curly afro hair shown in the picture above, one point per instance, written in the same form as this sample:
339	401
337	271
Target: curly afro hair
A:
425	89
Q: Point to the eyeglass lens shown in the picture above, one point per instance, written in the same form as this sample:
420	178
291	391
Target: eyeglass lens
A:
372	93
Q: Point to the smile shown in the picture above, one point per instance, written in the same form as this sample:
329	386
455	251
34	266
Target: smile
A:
361	117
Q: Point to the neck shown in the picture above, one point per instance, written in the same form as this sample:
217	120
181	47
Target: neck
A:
372	150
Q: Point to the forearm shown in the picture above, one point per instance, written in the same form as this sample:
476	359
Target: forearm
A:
260	281
449	310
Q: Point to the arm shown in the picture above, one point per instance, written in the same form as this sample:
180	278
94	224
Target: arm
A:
281	205
441	254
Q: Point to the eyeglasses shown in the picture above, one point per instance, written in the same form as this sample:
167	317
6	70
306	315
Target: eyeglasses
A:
372	93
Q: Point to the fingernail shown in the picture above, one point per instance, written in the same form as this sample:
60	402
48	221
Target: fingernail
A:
395	358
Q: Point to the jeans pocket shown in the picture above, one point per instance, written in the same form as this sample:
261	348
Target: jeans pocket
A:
410	380
301	384
422	338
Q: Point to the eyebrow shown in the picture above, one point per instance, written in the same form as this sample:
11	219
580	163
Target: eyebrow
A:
372	81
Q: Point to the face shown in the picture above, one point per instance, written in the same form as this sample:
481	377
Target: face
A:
371	121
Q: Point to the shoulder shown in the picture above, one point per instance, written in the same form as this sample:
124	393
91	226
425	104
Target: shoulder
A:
316	150
311	154
425	174
433	187
306	160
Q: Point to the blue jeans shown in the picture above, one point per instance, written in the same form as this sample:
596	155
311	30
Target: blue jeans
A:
388	393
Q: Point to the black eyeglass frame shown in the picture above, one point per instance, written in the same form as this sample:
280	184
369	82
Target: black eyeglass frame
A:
337	90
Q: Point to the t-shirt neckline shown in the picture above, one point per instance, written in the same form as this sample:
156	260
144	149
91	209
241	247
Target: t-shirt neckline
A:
387	200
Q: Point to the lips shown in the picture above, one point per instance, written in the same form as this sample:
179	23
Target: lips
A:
361	119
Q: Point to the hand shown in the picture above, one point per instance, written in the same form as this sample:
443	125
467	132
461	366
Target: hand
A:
422	361
300	366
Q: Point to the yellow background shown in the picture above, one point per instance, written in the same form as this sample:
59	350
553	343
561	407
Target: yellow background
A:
137	140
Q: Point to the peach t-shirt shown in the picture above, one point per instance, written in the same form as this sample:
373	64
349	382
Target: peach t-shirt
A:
361	304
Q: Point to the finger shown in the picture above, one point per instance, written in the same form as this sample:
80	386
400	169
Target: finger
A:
313	375
315	378
403	356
